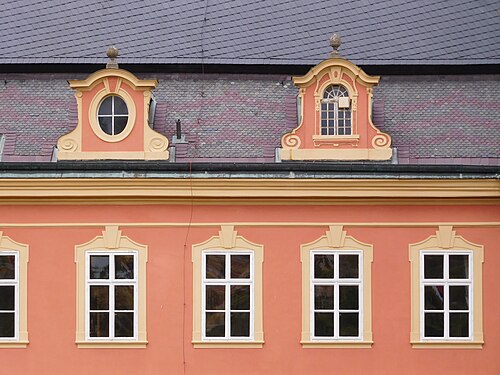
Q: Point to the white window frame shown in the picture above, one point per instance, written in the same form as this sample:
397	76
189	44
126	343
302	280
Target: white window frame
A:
446	282
336	282
113	115
337	110
227	282
12	282
111	282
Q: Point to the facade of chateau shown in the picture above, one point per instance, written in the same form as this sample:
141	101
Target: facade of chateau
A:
226	205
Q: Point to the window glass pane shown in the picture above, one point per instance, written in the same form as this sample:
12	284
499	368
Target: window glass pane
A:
7	297
99	324
124	297
434	325
105	107
7	325
323	324
348	266
7	267
323	297
323	266
459	297
349	298
215	326
240	266
215	297
240	324
120	106
124	266
459	266
324	131
459	325
105	124
124	324
434	297
433	266
216	266
99	297
240	297
120	123
349	323
99	267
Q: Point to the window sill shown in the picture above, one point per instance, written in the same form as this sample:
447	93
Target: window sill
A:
447	344
228	344
336	140
336	344
13	344
111	344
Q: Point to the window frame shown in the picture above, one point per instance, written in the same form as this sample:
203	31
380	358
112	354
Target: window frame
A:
95	104
111	282
336	110
336	241
227	282
337	282
447	243
20	282
12	282
446	282
113	115
112	242
230	243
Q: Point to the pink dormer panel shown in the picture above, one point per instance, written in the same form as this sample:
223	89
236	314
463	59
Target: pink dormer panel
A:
113	110
335	116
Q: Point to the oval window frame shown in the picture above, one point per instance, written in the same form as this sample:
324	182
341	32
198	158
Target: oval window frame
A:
94	110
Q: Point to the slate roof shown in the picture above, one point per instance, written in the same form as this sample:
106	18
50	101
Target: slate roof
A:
453	119
289	32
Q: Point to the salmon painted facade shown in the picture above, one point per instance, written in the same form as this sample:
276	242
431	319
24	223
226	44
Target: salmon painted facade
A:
289	217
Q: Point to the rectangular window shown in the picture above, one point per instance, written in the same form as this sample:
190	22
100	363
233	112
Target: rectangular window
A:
111	296
227	295
446	295
336	295
9	296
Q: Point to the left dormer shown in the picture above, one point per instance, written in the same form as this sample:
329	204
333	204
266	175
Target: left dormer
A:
113	113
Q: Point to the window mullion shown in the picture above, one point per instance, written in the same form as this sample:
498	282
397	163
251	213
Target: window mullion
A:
111	296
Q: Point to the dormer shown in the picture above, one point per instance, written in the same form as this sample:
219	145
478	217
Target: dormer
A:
113	112
335	104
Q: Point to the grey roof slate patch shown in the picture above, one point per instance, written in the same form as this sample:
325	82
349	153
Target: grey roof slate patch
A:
291	32
241	118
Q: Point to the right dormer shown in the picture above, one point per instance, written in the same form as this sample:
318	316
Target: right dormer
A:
335	106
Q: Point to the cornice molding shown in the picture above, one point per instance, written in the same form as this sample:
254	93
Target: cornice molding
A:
218	190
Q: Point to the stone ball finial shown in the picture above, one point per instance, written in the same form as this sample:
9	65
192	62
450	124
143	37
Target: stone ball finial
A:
335	43
112	54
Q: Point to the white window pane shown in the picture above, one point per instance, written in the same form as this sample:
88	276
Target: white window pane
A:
240	324
434	324
99	324
124	266
433	266
324	266
434	297
7	267
7	324
215	267
215	324
323	324
323	297
459	266
349	324
99	267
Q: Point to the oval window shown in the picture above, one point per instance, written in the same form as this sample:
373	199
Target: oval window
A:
112	115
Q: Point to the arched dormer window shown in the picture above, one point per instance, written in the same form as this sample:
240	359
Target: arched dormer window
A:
336	111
